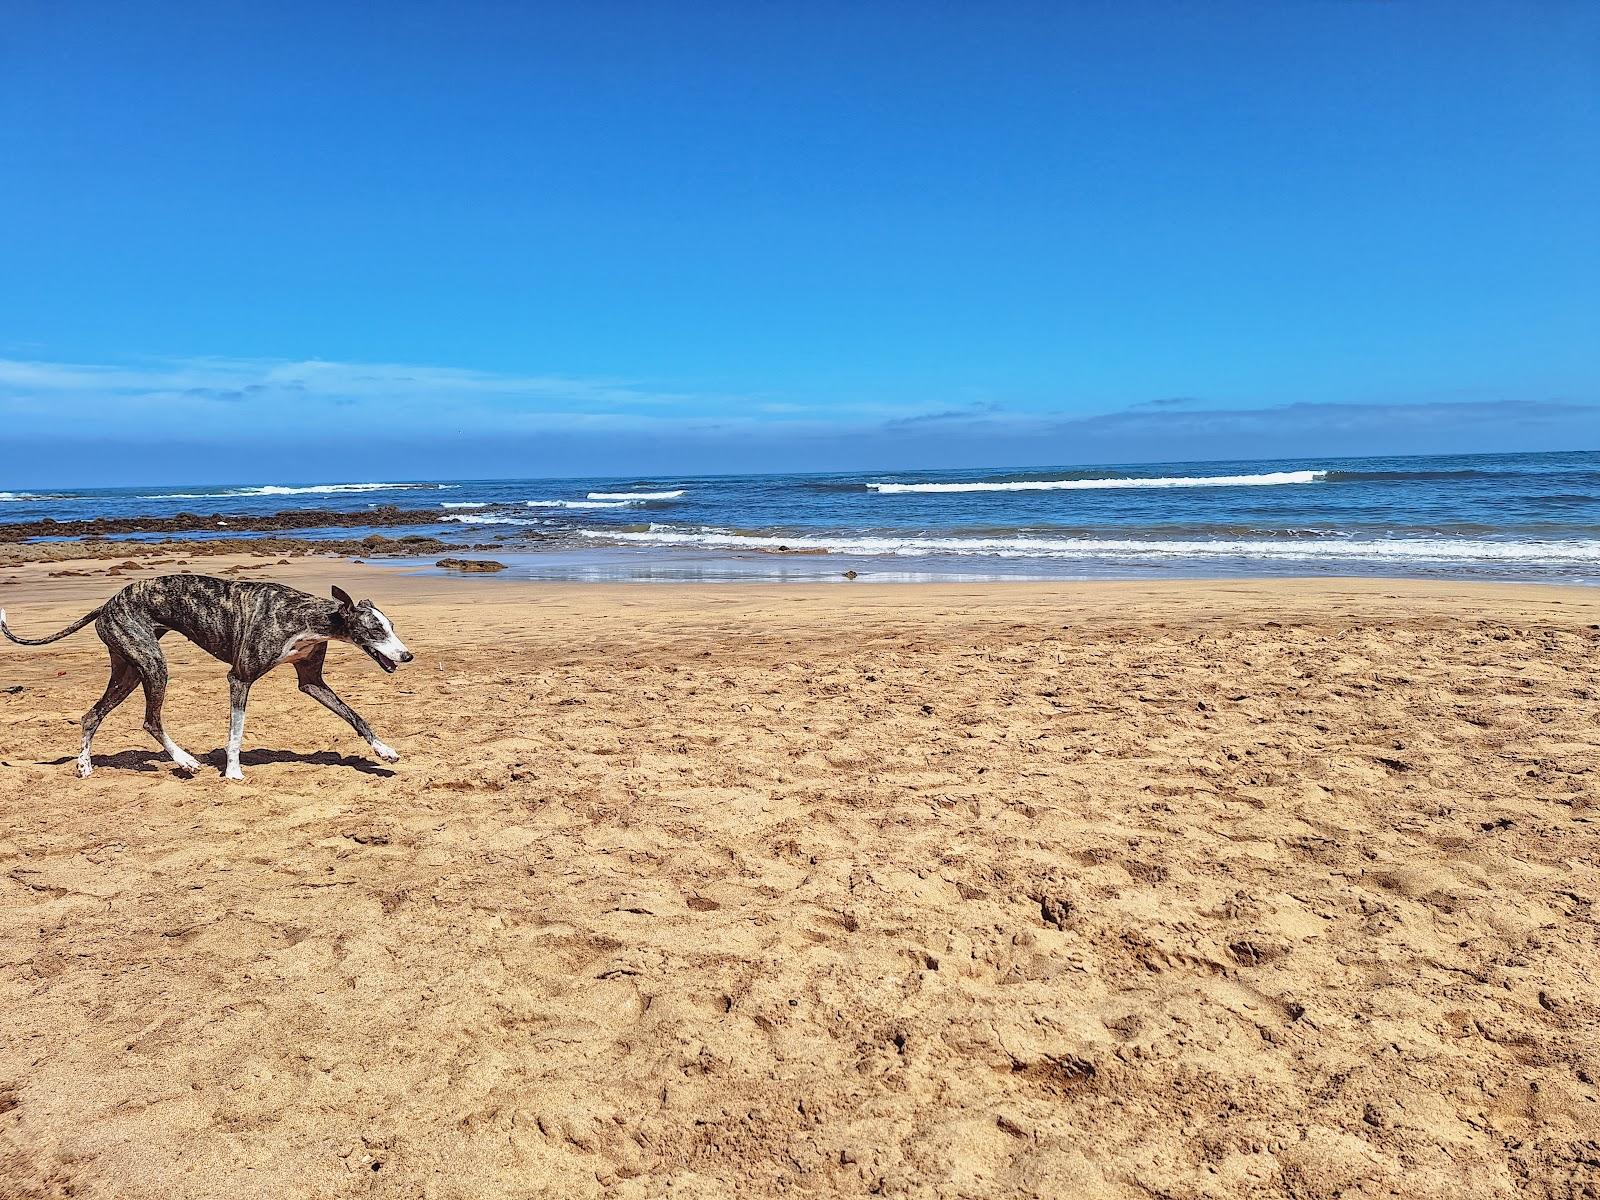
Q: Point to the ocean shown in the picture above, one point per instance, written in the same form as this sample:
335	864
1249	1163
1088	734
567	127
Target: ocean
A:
1494	516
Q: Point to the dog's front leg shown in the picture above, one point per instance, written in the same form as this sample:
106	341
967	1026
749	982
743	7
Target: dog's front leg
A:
313	685
239	694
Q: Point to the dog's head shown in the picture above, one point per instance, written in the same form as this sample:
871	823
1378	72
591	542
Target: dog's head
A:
365	625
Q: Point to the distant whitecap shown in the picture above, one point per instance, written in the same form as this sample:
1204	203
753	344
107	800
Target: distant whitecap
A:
1269	479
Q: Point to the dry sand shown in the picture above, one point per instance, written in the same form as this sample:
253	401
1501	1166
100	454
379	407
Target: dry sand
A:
1121	890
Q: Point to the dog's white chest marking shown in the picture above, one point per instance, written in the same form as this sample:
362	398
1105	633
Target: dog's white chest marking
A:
298	647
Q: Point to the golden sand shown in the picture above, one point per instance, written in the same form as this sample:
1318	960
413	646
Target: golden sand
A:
1110	890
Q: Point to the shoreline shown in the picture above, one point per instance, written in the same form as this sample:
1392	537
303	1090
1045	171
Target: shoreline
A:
398	582
659	567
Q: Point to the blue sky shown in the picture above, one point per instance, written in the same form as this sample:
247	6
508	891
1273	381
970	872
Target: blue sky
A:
252	242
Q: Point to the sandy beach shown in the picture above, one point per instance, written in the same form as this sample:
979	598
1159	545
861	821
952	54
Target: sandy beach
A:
1261	889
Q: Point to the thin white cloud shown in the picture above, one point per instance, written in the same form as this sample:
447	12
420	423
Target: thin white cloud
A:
245	394
316	375
215	397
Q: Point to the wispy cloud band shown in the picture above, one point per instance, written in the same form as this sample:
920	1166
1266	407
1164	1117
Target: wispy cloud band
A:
266	394
231	401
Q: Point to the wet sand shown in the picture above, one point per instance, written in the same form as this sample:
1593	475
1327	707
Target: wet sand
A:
1117	890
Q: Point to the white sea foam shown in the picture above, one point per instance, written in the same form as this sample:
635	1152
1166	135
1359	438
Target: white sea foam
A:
1397	550
328	488
320	489
4	496
470	519
1071	485
580	503
463	504
636	495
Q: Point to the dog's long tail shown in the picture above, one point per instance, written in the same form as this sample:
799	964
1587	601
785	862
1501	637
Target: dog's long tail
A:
54	637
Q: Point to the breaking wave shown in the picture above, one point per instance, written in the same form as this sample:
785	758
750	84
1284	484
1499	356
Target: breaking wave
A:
581	503
320	489
470	519
1397	550
637	495
1269	479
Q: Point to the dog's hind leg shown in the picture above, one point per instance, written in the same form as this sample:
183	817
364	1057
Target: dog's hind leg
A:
124	678
239	696
141	645
155	694
312	684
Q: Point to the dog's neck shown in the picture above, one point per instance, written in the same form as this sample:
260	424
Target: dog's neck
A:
327	624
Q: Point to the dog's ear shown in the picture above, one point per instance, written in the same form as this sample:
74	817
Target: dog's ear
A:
343	597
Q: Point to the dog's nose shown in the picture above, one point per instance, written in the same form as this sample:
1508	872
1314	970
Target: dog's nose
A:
407	656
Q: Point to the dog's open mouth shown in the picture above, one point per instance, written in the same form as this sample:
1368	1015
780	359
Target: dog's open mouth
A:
383	660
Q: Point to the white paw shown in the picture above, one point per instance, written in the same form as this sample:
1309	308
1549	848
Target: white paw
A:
85	769
233	772
186	762
387	753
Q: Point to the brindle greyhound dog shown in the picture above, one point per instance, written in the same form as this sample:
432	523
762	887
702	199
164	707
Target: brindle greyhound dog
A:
253	627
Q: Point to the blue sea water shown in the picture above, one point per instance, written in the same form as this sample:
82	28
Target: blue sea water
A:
1504	516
